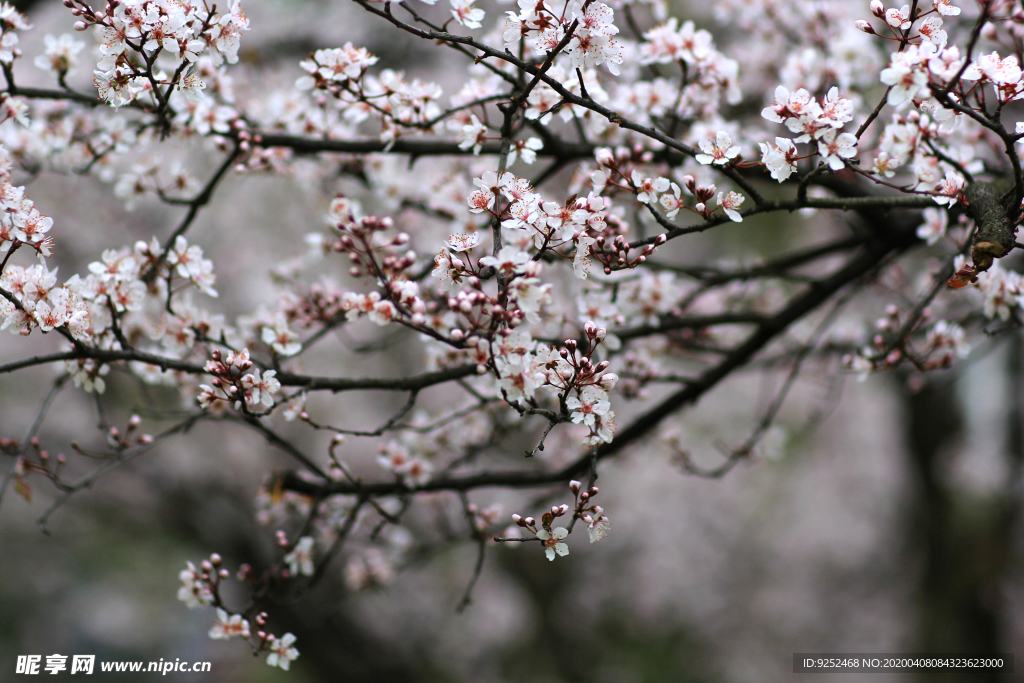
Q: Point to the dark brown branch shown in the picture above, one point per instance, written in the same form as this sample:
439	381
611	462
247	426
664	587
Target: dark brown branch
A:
995	236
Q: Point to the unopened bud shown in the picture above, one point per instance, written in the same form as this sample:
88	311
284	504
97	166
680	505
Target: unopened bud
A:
865	26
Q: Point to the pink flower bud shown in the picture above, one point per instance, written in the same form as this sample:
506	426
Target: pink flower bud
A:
865	26
877	8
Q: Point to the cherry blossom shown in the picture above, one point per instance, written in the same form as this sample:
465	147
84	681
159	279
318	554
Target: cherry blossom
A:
934	226
598	526
898	18
61	55
834	148
905	75
647	189
474	134
281	339
779	157
667	43
718	149
463	241
466	14
282	653
672	201
949	188
950	338
194	591
508	259
554	542
300	559
730	204
591	404
228	626
931	31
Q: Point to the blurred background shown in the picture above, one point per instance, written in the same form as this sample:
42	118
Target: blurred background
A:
884	517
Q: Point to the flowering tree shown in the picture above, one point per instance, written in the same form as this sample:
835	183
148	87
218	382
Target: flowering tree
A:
534	226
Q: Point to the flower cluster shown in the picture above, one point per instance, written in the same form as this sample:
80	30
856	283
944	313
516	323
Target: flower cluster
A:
11	21
413	472
201	587
233	383
802	114
300	559
944	342
400	105
583	509
591	44
174	33
711	70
